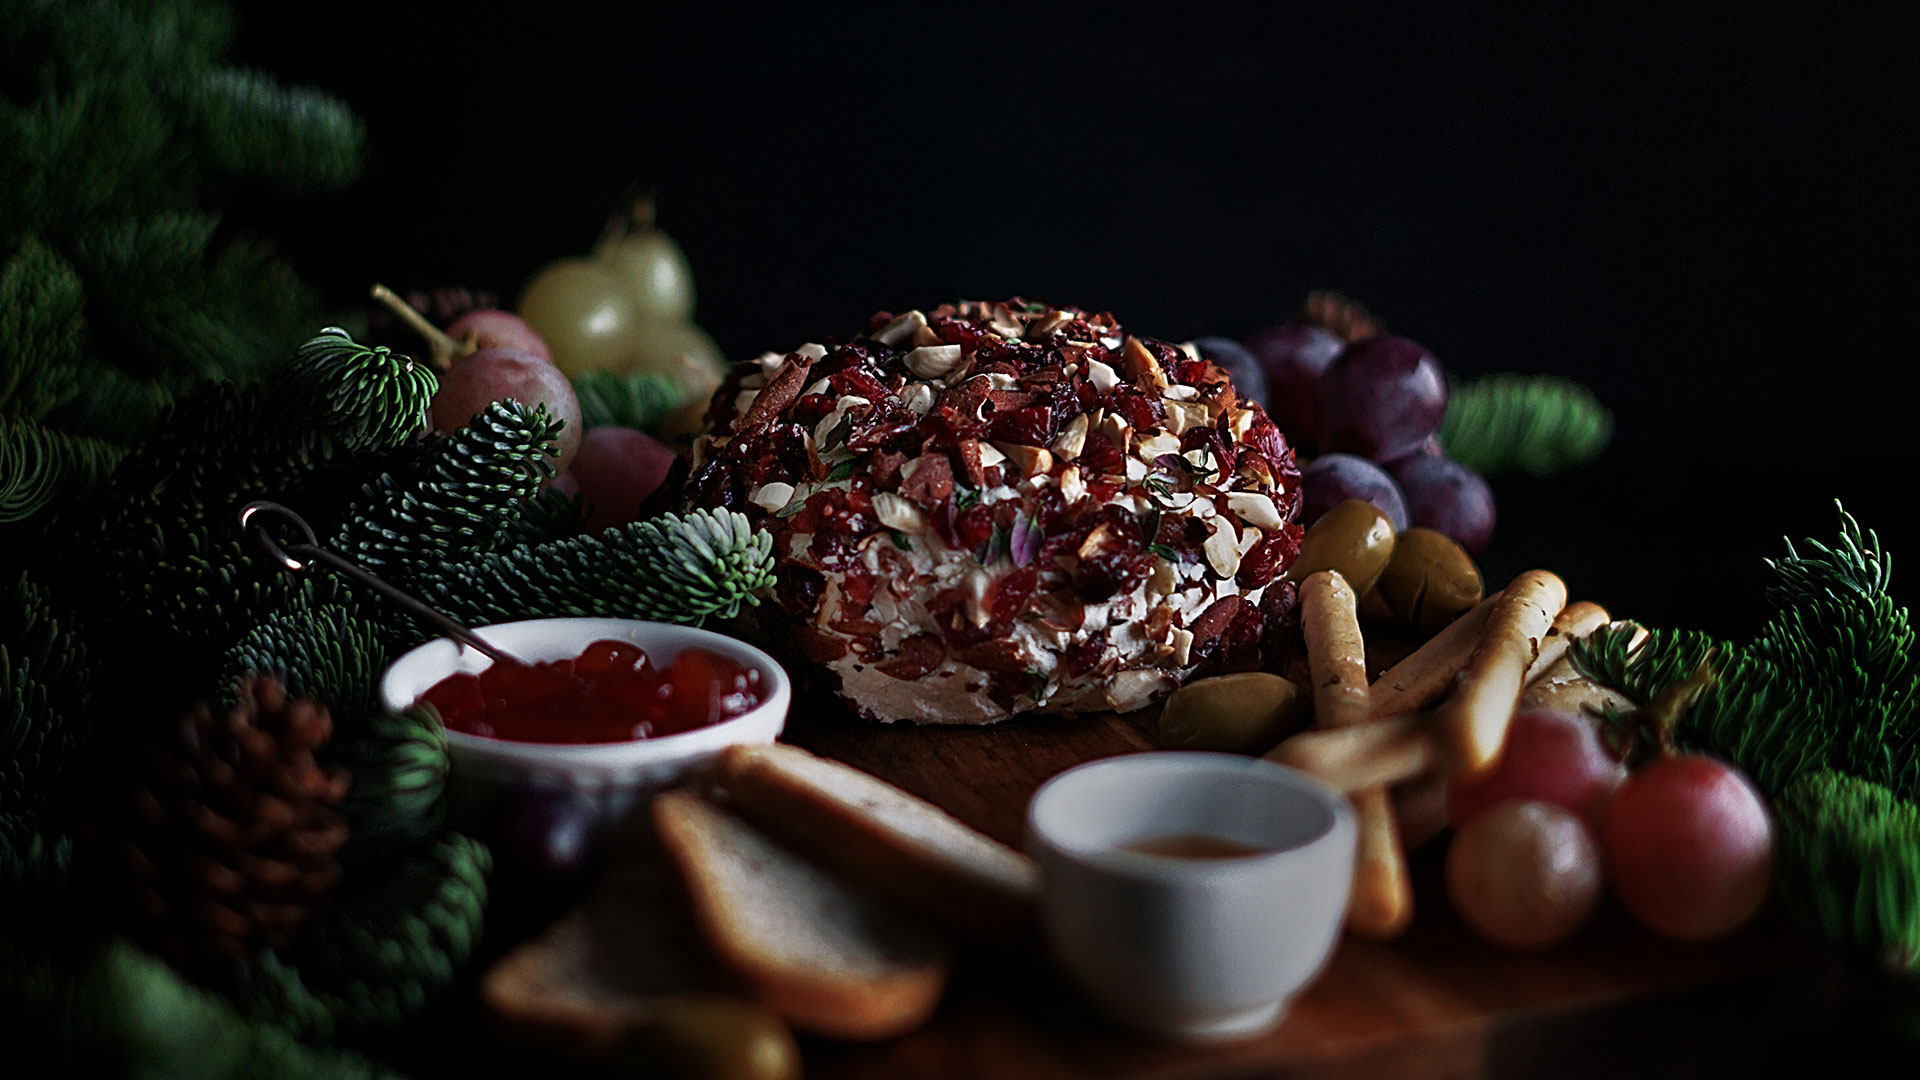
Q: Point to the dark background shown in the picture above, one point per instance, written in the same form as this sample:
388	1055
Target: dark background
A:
1703	212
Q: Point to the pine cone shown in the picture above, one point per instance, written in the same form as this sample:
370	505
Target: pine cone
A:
1343	316
233	835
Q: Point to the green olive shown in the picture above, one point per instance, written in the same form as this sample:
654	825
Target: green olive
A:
1353	537
1430	581
696	1036
1246	712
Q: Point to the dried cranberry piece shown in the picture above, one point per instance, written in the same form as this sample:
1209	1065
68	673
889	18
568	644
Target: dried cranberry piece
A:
1030	426
1008	596
1263	436
816	645
949	612
995	655
798	588
845	517
1144	412
931	482
1272	555
957	332
1084	655
917	656
1100	456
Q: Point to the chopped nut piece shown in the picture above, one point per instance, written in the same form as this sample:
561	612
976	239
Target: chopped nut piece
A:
902	329
1255	509
1222	548
1136	469
1151	447
1184	416
926	336
1072	487
933	361
1241	423
1114	426
1182	646
920	398
812	350
990	454
1047	324
1181	392
1142	366
772	496
897	513
743	401
824	429
1030	460
821	386
1103	376
1073	438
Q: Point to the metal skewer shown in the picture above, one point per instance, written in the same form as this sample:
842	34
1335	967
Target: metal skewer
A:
309	552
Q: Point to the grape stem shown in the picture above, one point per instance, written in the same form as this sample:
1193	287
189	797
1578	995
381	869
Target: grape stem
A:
637	216
444	349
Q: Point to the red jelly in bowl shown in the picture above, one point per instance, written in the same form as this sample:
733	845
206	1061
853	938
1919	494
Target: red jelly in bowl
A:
611	693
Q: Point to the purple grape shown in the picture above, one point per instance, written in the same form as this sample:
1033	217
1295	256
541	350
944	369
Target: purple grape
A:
1381	398
1332	478
1249	378
1448	497
1294	356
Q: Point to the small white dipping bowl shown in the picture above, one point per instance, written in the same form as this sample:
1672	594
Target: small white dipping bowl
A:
609	777
1186	947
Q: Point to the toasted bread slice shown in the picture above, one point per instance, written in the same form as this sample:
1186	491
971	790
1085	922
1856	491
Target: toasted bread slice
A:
830	958
901	845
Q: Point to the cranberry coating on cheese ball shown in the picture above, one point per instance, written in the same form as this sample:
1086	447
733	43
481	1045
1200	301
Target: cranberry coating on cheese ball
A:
993	508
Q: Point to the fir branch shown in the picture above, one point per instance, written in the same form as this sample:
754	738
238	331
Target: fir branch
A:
46	685
38	466
42	329
100	150
1538	424
1849	865
159	298
326	650
57	44
393	943
116	407
365	397
126	1013
250	127
639	400
399	766
459	498
669	568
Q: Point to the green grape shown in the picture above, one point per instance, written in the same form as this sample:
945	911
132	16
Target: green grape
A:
656	270
681	351
585	313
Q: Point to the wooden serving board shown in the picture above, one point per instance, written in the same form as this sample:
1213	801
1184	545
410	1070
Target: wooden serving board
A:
1436	1003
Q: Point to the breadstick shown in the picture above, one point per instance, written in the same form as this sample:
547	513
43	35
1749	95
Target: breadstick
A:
1373	754
1472	721
1381	903
1426	672
1336	653
1578	619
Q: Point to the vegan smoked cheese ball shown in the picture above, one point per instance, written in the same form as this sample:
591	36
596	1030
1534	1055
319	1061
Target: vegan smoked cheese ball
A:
994	508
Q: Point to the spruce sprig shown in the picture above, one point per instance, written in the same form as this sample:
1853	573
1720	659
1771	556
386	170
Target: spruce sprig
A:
1536	424
451	502
671	568
638	400
1819	711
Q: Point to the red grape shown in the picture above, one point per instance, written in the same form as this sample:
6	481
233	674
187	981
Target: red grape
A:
495	329
1335	478
616	469
1689	847
1294	355
490	375
1446	496
1550	756
1380	399
1524	875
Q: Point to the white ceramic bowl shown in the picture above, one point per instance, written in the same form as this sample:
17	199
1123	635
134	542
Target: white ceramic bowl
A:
608	777
1193	948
